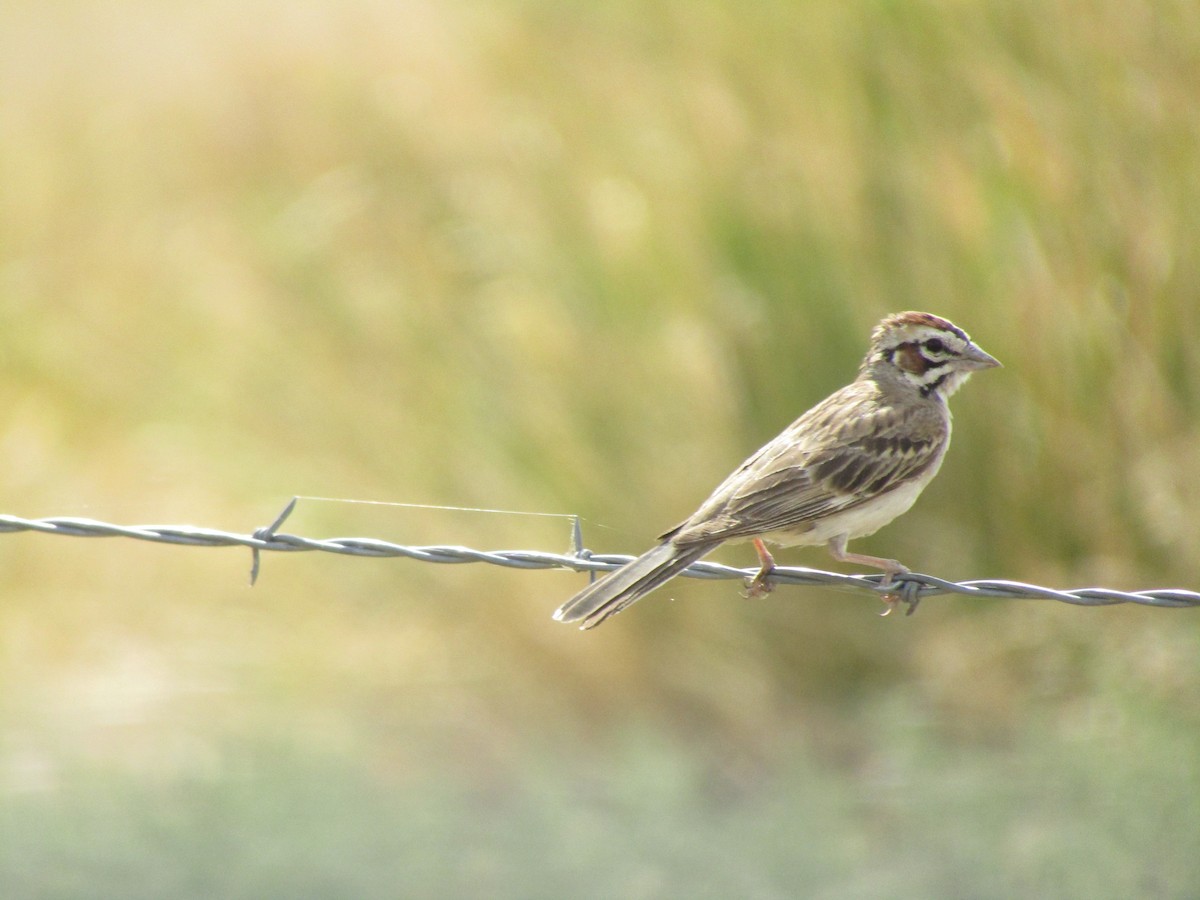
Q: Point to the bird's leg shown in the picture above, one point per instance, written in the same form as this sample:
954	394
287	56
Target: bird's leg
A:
760	585
891	568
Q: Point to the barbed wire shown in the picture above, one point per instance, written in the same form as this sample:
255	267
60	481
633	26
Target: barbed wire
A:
912	587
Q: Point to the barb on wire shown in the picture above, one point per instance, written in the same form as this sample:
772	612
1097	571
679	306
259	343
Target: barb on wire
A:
914	587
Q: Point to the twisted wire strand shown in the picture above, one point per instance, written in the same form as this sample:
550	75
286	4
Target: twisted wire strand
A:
913	587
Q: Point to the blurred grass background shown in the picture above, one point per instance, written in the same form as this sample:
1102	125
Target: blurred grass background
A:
584	259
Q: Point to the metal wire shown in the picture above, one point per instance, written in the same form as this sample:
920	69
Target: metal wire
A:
912	587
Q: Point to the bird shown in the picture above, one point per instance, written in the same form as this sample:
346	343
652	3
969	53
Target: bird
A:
843	470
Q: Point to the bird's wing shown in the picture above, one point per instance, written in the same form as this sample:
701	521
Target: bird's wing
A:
839	455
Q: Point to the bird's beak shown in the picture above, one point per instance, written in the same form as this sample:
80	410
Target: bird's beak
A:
974	358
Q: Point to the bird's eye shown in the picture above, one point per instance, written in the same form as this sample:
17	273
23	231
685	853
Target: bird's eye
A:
935	345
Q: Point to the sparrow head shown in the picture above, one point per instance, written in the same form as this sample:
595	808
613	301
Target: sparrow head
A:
929	353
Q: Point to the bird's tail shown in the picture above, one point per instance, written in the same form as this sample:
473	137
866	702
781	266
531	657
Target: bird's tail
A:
630	583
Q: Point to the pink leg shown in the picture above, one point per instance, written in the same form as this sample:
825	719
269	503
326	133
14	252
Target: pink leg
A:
761	585
890	567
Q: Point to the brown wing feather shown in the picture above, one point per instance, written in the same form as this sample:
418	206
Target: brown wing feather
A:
839	455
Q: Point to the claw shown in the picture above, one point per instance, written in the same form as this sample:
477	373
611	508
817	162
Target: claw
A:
761	585
909	593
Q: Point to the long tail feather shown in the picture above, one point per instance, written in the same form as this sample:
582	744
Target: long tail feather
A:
630	583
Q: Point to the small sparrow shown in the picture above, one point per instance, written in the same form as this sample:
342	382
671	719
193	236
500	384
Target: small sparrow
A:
843	470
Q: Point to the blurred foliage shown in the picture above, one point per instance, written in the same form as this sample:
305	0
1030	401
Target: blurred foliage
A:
575	258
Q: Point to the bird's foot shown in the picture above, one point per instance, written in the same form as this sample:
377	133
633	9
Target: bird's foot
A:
908	593
761	584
